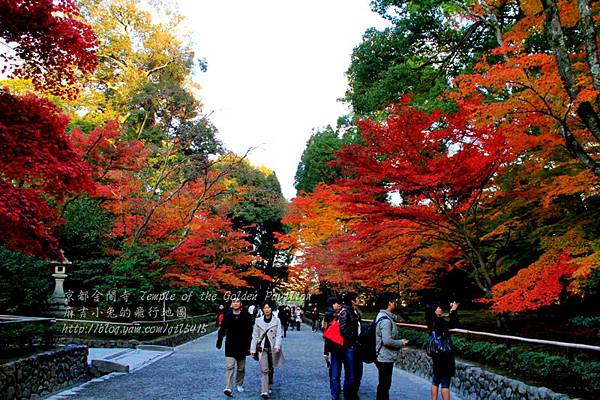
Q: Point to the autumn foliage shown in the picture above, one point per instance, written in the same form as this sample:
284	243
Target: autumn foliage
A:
413	191
503	188
51	43
167	192
167	206
38	167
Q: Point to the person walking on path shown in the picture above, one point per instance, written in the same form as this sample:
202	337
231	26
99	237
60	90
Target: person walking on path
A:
298	313
284	317
350	329
293	318
388	343
266	345
444	366
332	352
314	315
220	315
236	327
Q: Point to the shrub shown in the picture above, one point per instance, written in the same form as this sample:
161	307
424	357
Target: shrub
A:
26	283
585	322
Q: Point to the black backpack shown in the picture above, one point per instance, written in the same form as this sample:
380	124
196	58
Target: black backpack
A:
367	342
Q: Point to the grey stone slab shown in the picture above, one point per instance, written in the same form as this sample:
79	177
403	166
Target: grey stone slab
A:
106	366
154	347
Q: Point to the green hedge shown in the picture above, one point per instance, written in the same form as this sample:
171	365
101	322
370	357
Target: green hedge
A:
586	322
556	371
19	340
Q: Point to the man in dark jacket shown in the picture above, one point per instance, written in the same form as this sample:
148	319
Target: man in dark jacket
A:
314	316
284	317
350	329
237	328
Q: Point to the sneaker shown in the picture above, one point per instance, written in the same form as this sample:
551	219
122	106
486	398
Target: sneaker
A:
228	392
265	396
240	388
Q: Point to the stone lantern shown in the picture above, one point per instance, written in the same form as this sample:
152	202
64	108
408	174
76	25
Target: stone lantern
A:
58	301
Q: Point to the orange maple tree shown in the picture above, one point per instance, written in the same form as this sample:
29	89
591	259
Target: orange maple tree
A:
155	200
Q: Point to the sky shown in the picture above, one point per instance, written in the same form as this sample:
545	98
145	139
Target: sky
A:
276	69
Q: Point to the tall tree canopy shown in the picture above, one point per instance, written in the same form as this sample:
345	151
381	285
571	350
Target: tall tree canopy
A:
257	206
37	163
50	44
428	43
321	147
522	77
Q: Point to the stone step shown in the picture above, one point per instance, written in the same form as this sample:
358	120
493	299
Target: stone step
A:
125	360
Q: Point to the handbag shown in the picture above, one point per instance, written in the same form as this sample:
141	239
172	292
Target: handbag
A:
258	346
438	344
334	333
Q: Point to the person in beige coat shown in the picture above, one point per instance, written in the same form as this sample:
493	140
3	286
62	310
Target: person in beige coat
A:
266	345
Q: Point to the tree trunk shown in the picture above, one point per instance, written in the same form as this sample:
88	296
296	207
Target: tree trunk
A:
556	38
494	24
502	321
577	150
586	23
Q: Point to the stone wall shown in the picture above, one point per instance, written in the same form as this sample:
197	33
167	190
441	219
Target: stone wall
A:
472	382
44	373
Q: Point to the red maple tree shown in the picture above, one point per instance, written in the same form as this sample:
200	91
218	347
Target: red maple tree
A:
38	166
440	169
50	43
411	203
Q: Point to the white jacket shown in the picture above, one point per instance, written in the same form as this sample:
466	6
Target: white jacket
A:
274	336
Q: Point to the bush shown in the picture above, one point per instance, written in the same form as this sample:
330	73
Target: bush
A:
26	283
20	339
585	322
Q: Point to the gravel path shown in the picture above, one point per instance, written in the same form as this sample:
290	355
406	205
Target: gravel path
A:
196	371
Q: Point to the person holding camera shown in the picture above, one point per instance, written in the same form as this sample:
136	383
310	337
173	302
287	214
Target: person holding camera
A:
388	343
444	366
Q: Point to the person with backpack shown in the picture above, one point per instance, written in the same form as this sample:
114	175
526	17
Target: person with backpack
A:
439	347
236	327
388	343
332	352
266	346
350	321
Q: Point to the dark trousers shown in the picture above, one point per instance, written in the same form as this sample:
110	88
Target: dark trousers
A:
335	373
385	370
353	370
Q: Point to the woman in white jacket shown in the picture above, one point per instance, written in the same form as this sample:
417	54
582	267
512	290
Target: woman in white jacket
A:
266	345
